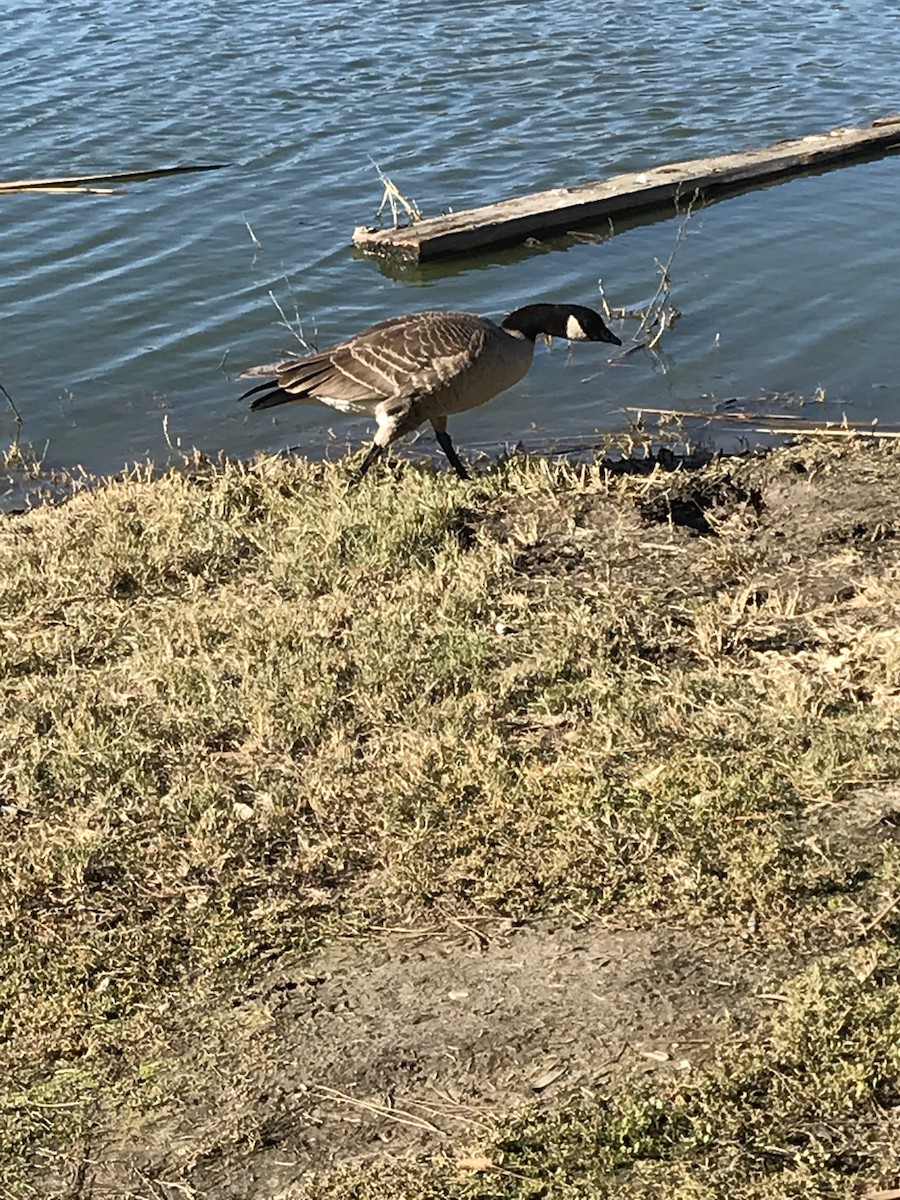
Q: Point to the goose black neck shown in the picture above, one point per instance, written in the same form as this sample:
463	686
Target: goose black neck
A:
535	319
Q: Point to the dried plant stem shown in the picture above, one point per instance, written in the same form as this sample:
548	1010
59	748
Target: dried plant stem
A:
773	424
394	197
656	310
295	328
16	414
660	314
381	1110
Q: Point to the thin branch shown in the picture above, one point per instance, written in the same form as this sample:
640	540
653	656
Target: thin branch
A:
665	274
295	329
394	197
660	314
18	418
880	916
381	1110
257	248
775	424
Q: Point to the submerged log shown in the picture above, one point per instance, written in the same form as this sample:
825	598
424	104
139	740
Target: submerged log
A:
521	217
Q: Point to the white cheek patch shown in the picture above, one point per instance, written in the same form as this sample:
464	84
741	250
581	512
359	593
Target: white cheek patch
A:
574	331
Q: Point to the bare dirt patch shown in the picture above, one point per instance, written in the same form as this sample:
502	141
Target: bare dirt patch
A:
407	1045
802	518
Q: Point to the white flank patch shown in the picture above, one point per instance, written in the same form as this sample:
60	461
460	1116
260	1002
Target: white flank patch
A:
574	332
347	406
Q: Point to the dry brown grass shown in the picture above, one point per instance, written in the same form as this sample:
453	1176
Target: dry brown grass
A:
244	712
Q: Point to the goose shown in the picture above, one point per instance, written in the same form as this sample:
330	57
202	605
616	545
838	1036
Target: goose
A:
423	367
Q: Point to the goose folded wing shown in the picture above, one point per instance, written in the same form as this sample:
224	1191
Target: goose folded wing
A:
344	375
399	358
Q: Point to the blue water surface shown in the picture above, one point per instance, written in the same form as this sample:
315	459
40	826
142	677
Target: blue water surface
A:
123	319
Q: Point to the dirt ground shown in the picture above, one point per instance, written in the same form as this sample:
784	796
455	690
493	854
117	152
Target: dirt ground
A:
412	1044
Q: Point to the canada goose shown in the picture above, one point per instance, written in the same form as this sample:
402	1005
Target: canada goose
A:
422	367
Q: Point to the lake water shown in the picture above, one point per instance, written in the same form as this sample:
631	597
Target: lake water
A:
124	319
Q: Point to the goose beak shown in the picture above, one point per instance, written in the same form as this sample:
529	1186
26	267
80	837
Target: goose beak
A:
607	335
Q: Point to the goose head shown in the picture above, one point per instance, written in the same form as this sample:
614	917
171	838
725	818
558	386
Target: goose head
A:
573	321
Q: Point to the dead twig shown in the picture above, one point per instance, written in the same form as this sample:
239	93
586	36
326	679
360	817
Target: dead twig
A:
257	248
482	940
295	329
394	197
659	310
879	919
18	418
453	1110
774	425
381	1110
62	191
660	314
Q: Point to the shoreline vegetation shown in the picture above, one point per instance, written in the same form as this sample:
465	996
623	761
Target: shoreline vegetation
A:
532	837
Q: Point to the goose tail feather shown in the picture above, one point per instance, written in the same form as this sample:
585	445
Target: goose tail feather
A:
267	394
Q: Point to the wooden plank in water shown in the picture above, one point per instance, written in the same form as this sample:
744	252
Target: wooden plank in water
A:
565	208
85	183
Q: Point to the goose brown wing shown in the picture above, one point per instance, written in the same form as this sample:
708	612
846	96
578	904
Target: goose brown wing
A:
401	357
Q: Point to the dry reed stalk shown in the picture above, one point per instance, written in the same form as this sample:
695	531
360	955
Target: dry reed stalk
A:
773	424
394	197
85	183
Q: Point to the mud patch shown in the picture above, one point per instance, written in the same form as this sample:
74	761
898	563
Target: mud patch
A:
797	522
698	507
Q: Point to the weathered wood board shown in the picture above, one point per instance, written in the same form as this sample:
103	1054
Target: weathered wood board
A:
86	183
565	208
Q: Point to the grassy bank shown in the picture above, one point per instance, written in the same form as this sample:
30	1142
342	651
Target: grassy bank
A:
246	715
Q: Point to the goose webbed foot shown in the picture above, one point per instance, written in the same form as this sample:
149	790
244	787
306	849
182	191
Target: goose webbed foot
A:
375	452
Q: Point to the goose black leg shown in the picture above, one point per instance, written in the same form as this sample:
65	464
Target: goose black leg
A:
375	452
443	440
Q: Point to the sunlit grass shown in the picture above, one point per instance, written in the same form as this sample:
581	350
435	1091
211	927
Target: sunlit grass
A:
244	711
